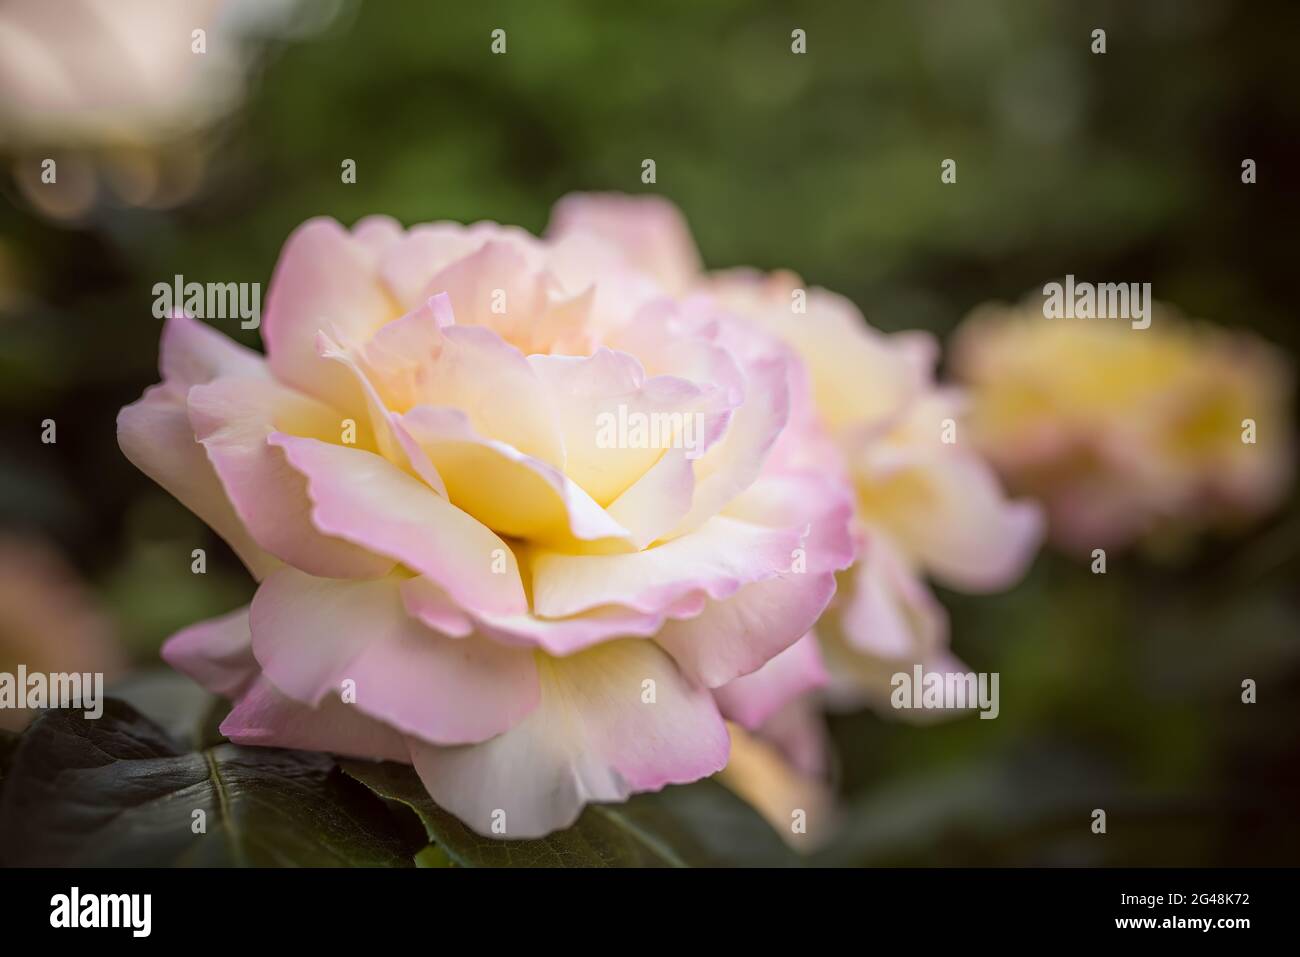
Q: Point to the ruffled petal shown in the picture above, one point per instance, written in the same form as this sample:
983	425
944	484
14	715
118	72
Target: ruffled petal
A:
362	498
753	698
734	463
514	493
616	422
497	288
614	720
741	634
311	635
265	717
326	281
217	653
233	419
192	352
155	434
716	559
649	231
424	359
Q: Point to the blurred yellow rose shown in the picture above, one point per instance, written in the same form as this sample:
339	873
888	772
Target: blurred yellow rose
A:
1125	434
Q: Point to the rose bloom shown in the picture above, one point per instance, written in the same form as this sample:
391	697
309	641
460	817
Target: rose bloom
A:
1129	435
874	417
474	556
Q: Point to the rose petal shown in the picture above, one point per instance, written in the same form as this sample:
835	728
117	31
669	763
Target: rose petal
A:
514	493
820	508
155	434
717	559
657	502
265	717
596	736
310	635
419	360
429	604
889	612
233	419
741	634
751	699
217	653
950	514
565	636
650	232
362	498
326	281
192	352
497	288
616	422
409	267
734	463
859	375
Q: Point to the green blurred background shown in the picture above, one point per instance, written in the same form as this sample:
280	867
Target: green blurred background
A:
1121	691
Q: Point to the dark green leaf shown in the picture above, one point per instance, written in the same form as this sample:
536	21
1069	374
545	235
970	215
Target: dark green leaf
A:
697	825
184	710
121	791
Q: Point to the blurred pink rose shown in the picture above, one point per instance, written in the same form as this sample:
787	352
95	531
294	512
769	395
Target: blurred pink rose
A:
49	620
513	509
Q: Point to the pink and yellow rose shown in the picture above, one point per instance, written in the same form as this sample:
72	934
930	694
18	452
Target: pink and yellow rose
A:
458	567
